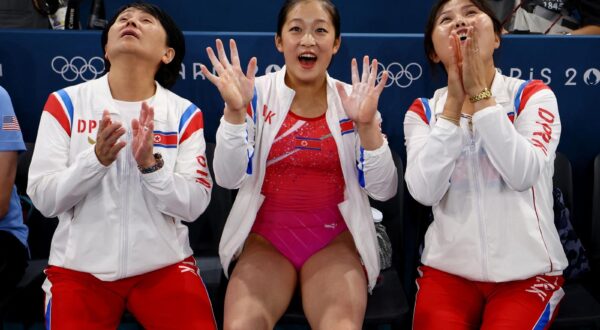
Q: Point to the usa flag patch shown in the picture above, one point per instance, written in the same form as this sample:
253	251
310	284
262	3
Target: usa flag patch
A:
10	123
165	139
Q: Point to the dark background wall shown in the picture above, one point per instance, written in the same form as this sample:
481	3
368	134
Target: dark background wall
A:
361	16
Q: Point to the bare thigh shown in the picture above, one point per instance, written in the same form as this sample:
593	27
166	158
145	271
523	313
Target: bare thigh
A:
334	286
260	288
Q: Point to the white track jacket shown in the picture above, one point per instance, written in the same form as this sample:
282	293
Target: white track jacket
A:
240	162
115	222
490	186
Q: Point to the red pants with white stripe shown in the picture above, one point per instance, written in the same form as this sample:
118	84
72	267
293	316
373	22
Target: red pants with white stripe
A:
446	301
173	297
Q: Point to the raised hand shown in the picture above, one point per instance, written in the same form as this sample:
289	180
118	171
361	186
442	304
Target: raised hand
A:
107	145
236	88
143	137
361	104
456	91
473	68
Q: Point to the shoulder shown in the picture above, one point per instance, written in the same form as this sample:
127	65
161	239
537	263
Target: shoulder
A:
5	103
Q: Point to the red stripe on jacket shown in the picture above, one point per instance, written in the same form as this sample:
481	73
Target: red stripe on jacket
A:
418	108
195	124
55	108
529	90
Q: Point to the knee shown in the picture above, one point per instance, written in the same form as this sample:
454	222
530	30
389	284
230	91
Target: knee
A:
340	324
243	322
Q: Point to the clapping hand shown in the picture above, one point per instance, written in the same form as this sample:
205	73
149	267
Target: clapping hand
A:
107	145
143	137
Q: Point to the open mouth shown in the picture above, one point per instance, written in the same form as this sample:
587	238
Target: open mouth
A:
129	32
462	34
307	60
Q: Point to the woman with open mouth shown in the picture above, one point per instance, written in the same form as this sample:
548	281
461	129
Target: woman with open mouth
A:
481	153
305	151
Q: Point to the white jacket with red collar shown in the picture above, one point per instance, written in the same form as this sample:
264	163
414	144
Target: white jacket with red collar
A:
240	162
115	222
490	186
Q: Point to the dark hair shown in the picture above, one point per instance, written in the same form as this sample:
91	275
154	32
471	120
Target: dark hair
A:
428	42
327	5
167	74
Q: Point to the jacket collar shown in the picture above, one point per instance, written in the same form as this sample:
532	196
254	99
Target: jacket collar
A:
106	100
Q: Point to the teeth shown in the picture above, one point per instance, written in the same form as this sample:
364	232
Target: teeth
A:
308	56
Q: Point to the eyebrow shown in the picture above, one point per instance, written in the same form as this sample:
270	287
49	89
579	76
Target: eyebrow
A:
467	6
318	20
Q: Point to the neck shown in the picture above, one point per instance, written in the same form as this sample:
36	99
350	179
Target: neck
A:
310	99
131	82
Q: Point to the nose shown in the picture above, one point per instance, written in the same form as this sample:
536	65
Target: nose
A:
307	40
460	22
131	21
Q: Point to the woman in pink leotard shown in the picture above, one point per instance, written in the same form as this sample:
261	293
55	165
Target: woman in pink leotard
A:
305	152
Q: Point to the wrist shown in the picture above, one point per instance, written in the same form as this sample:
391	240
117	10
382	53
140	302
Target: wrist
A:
153	166
479	95
234	116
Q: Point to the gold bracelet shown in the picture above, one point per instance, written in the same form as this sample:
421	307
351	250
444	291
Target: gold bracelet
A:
483	95
455	121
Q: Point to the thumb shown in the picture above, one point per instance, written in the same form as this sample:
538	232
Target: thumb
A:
342	91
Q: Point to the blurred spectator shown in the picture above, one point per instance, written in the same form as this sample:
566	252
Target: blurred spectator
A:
21	14
548	16
13	233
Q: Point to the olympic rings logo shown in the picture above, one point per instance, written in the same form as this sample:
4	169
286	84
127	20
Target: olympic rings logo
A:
402	76
78	67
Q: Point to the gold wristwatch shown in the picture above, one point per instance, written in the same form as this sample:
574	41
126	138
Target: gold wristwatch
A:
483	95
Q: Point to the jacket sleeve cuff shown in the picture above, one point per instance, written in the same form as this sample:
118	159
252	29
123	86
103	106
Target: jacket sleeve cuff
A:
91	161
232	130
376	152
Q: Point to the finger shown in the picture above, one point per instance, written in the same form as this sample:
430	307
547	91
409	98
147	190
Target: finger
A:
235	58
354	70
149	114
474	44
365	69
116	135
104	121
381	84
373	73
457	48
143	114
114	150
341	91
135	126
222	56
110	130
149	133
251	70
211	77
214	60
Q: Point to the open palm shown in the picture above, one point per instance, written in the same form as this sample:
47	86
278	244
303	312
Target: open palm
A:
361	104
236	88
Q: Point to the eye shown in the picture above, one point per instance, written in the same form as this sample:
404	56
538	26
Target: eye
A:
295	29
322	30
472	12
444	19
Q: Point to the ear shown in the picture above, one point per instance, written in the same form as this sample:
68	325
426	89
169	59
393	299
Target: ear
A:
278	43
336	44
434	57
168	56
496	41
